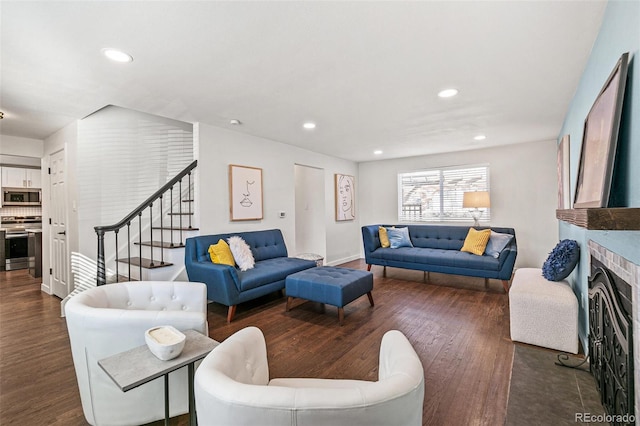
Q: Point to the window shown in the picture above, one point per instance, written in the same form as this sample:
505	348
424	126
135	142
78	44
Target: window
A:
435	195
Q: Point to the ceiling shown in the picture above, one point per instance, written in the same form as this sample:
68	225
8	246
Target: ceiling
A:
367	73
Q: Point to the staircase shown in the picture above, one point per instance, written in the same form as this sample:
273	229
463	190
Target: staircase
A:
147	238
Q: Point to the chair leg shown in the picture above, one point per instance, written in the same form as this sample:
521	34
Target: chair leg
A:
370	298
505	284
231	312
289	300
368	267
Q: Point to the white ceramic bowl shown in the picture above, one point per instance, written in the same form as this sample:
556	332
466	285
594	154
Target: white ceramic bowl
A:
165	342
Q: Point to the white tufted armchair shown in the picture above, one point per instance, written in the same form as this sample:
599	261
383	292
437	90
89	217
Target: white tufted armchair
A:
112	318
232	387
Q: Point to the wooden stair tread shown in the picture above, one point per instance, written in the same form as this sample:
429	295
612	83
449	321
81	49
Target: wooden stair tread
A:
145	263
124	278
163	244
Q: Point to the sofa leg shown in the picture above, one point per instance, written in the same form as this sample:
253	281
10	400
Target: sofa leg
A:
368	268
340	316
384	271
505	284
231	312
370	297
289	300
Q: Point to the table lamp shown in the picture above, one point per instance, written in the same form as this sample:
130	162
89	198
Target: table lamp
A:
476	200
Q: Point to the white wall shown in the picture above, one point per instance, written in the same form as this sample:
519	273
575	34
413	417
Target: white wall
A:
216	148
124	157
523	183
25	147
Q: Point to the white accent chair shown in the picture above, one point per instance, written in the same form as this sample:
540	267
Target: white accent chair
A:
542	312
110	319
232	387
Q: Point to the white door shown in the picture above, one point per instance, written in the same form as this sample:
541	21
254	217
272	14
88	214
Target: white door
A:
310	211
58	236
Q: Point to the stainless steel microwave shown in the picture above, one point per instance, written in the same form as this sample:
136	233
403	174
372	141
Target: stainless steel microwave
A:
21	197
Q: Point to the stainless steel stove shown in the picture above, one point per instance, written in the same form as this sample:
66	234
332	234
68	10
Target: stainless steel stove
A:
16	239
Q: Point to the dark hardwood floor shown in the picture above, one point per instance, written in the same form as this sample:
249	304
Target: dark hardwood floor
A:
459	329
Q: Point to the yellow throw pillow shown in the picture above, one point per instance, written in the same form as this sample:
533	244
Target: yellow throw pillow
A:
476	241
221	253
384	239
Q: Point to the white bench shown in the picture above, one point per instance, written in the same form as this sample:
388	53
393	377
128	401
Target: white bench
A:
542	312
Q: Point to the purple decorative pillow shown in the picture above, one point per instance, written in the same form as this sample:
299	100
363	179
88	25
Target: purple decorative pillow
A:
561	261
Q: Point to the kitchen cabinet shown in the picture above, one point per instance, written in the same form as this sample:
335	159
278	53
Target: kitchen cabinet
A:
19	177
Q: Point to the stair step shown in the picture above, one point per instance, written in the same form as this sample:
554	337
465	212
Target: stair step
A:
124	278
145	263
163	244
180	214
176	228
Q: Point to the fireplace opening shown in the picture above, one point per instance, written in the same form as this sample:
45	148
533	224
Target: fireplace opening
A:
611	339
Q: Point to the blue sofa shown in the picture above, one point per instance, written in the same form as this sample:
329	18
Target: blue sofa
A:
228	285
436	248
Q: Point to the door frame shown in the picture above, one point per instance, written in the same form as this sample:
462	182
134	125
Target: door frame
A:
313	192
47	284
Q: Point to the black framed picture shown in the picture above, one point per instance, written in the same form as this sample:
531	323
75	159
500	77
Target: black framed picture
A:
599	141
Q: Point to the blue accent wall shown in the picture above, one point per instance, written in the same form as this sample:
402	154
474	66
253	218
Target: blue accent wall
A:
619	33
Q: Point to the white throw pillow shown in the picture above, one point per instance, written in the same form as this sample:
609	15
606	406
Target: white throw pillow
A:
241	253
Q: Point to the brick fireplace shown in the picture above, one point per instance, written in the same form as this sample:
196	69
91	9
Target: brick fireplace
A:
627	277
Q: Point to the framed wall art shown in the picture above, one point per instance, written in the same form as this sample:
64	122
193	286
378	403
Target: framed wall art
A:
245	190
345	197
564	182
599	141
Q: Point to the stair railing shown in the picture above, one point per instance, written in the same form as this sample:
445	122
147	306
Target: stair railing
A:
101	231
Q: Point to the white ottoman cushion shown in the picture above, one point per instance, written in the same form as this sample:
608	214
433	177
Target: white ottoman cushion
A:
543	313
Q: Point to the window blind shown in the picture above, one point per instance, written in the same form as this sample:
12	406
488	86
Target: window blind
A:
435	195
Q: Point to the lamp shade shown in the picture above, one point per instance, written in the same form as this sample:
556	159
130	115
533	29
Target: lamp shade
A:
476	199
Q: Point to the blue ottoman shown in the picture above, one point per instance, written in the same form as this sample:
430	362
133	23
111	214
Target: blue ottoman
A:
333	286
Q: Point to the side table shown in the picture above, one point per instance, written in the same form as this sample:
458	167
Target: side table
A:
311	256
138	366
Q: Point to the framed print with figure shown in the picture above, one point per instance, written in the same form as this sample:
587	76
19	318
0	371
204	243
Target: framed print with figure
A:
245	191
345	197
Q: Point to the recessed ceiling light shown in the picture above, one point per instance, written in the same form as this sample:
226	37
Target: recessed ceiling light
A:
309	125
447	93
377	152
479	137
235	122
117	55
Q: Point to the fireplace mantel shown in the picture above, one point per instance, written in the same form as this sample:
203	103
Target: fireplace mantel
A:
614	219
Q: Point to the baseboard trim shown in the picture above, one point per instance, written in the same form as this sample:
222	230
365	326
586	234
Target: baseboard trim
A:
343	260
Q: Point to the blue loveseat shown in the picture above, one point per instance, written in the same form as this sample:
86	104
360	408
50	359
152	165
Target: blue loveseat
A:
436	248
228	285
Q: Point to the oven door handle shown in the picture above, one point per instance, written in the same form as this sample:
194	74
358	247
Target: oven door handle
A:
12	236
